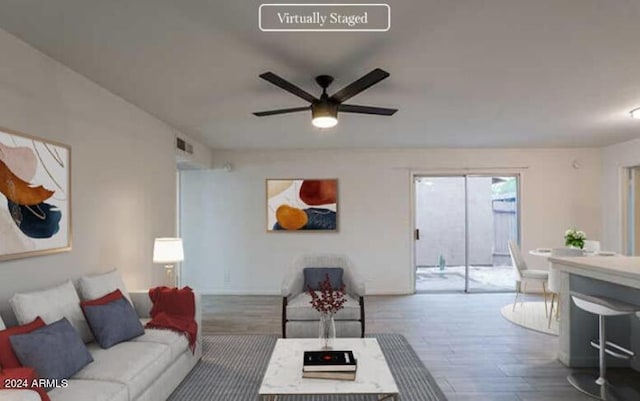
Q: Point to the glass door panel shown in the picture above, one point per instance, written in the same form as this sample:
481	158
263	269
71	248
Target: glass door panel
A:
440	234
492	221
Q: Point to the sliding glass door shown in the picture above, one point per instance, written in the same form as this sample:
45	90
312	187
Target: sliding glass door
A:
463	226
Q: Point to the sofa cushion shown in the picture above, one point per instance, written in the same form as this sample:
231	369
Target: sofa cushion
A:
113	322
8	358
93	390
52	305
313	276
177	342
20	395
92	287
134	364
55	351
299	308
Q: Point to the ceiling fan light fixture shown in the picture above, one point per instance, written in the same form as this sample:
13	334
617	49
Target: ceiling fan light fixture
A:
324	115
635	113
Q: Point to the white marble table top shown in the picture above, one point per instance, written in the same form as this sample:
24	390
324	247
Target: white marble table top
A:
284	373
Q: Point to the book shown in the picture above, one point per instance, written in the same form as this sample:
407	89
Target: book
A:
329	361
330	375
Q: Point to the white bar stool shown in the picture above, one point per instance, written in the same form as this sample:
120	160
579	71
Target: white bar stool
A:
597	386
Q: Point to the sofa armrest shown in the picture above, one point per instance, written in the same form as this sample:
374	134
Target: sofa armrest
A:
141	303
19	395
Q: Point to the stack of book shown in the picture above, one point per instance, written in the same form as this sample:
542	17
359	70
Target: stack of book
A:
334	365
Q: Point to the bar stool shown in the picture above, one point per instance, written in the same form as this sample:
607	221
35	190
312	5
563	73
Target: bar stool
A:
597	386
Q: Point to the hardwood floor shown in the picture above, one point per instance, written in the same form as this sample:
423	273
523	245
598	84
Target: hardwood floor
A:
472	351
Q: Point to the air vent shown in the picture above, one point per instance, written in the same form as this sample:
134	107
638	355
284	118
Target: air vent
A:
184	145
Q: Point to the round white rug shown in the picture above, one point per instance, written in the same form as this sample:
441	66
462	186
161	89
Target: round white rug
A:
530	315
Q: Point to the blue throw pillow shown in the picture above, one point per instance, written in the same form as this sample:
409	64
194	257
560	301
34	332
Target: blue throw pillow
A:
113	322
313	276
55	351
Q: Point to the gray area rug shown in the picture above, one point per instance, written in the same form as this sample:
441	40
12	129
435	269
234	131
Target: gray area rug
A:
232	367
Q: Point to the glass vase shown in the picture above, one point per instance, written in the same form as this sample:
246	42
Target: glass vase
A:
327	330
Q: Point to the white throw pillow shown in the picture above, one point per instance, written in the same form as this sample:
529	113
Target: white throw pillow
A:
51	305
93	287
2	326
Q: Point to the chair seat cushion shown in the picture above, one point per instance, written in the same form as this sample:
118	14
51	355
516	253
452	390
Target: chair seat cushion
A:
94	390
299	308
134	364
535	274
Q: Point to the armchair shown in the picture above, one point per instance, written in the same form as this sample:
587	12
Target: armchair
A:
299	319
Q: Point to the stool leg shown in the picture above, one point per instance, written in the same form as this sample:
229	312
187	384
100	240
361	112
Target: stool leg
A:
602	354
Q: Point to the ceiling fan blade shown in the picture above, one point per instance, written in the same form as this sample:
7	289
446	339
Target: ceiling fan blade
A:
280	111
352	108
358	86
288	86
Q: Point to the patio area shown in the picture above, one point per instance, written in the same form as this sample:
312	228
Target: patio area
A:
451	279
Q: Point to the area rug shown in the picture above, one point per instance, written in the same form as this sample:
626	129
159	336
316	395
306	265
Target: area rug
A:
530	315
232	367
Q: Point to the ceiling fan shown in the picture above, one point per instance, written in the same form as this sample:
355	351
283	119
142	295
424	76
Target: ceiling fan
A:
324	111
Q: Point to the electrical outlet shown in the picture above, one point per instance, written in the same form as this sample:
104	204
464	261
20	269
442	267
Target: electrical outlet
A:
227	277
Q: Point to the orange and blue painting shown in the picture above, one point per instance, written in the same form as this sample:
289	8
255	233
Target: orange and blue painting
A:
34	196
295	205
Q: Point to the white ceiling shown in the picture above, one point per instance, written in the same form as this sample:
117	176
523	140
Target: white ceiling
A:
464	73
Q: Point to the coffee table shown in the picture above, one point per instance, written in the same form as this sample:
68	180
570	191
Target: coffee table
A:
284	372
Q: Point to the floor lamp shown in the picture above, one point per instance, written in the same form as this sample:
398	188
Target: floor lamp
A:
168	251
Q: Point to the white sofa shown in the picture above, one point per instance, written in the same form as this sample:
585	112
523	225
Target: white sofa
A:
147	368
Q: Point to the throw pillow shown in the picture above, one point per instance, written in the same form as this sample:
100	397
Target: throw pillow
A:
8	358
92	287
52	305
2	326
55	351
313	276
110	297
26	377
113	322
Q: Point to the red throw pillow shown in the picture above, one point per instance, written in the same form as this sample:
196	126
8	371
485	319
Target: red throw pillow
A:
23	380
110	297
8	358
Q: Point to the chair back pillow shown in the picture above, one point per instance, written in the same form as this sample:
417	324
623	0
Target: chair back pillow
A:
113	322
55	351
52	305
314	276
92	287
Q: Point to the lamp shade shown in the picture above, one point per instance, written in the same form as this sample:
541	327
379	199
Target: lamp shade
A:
168	250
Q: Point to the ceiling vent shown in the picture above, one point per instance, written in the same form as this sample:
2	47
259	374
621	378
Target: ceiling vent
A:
184	145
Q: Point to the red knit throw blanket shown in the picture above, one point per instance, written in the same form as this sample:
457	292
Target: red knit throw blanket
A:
21	379
174	309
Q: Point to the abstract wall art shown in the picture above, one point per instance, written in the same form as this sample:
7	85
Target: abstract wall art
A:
302	205
35	196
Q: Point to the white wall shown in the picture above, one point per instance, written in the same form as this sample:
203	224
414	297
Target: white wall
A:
229	251
615	159
123	171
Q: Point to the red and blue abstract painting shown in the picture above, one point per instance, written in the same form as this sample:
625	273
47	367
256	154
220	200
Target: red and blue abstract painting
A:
35	196
302	204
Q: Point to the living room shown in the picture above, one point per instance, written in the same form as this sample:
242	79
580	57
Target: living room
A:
543	91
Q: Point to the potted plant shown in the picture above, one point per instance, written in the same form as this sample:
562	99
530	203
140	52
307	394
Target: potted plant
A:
574	238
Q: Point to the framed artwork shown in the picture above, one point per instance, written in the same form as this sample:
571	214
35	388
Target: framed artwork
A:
302	205
35	196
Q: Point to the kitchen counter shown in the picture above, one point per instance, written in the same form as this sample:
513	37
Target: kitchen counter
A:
615	277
